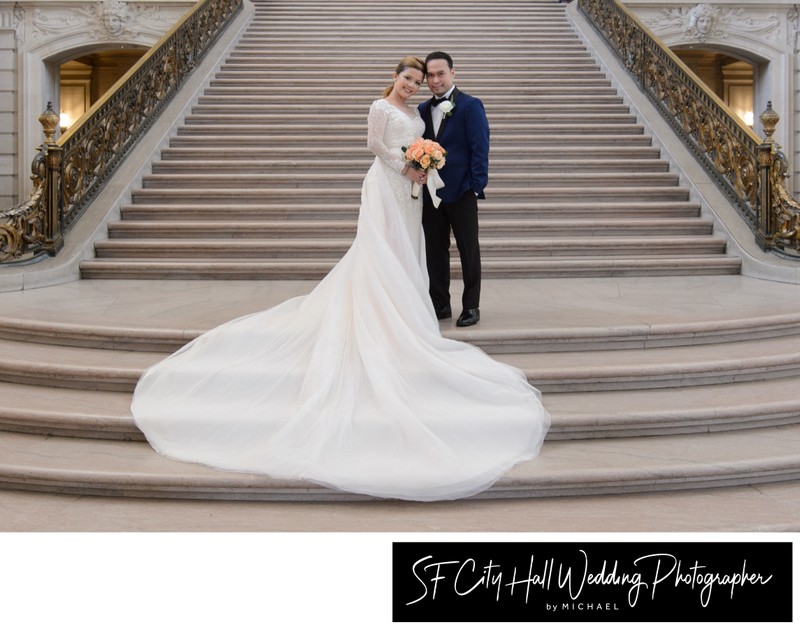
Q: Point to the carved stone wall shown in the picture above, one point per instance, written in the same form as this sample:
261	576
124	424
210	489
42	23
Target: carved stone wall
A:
9	20
35	37
764	33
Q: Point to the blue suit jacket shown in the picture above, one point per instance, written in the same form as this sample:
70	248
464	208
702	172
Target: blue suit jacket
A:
465	136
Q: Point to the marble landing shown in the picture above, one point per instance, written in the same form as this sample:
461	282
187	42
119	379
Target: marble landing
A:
506	304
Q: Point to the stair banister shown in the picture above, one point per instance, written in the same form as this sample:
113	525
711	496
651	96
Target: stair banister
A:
67	173
751	172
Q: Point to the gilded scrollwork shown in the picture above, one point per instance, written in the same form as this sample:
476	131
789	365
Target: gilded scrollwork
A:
12	228
22	226
786	210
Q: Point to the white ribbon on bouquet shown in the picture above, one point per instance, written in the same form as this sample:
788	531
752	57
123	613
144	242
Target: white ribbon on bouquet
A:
434	182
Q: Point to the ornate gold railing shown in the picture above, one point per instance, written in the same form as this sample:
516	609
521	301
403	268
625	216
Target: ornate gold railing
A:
68	173
750	171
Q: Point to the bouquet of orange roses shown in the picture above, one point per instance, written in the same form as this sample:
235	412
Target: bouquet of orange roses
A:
426	155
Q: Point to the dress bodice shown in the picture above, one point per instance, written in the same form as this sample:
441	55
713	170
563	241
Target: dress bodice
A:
389	130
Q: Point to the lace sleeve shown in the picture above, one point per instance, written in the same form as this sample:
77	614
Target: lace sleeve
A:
376	132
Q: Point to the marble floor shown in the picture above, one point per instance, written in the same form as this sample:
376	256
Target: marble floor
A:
521	303
768	508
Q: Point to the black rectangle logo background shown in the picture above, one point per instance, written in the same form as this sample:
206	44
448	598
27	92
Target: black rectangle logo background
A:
642	581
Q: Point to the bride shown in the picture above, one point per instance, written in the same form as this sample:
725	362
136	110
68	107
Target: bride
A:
352	386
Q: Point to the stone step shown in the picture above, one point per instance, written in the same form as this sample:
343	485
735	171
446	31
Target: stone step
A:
102	415
607	113
347	21
320	195
213	247
344	14
347	101
590	415
270	132
310	10
346	228
659	368
575	416
524	94
257	81
457	47
171	209
93	332
458	34
209	164
674	411
326	119
296	145
565	468
459	12
377	72
491	337
509	153
587	371
72	368
553	267
522	60
352	180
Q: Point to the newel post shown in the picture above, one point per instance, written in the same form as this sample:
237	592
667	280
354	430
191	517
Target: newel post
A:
766	215
52	237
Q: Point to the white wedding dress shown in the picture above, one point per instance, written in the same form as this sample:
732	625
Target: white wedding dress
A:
351	386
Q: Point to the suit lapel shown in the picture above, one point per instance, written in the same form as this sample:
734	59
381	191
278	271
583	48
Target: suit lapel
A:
454	96
427	118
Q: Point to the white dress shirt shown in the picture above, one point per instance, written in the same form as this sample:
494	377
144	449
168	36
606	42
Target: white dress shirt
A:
437	115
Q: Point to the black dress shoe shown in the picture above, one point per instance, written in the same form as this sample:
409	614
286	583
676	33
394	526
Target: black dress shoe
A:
469	317
443	313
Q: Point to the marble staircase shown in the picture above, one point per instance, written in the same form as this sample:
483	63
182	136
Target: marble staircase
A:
662	367
262	180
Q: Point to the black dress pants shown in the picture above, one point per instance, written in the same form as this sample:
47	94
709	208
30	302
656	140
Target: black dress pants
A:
462	218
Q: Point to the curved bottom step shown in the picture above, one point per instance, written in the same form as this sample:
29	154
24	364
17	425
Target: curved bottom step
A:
564	469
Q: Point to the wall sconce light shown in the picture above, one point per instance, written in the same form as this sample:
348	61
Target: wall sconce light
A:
748	118
65	121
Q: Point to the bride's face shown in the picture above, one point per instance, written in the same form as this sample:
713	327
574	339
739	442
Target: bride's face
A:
408	82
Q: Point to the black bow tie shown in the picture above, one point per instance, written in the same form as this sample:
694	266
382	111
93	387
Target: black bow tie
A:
436	101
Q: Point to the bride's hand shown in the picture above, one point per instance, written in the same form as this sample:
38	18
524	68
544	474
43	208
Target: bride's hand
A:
417	175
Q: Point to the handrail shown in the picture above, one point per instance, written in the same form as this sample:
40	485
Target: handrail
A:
68	173
751	172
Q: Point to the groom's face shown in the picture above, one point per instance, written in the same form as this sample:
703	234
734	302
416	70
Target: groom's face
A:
440	76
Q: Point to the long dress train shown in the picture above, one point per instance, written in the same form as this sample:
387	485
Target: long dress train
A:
351	386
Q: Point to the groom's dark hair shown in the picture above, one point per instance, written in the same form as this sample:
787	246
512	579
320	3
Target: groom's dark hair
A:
440	55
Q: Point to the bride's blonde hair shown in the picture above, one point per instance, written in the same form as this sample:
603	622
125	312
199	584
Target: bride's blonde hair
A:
406	62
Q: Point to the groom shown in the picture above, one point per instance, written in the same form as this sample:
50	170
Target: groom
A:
458	122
